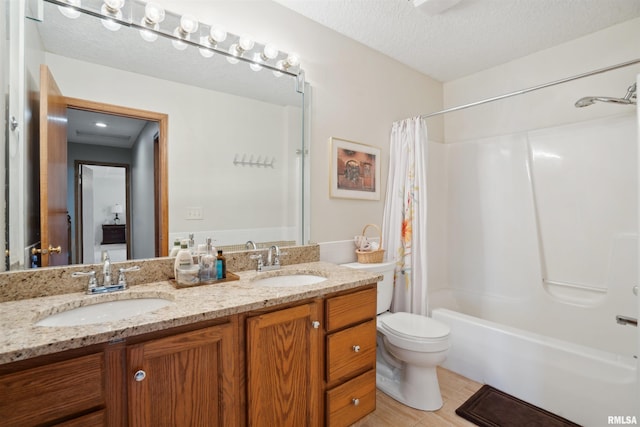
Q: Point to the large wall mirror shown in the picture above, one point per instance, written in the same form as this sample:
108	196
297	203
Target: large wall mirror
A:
161	141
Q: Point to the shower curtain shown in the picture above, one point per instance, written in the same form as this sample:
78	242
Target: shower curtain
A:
404	226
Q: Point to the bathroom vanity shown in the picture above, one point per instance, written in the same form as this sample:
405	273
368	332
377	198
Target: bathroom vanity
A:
234	353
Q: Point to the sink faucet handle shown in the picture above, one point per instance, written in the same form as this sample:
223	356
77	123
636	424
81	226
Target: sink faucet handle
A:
93	283
122	281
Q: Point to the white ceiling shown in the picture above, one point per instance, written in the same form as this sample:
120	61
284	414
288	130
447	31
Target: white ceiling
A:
120	132
471	36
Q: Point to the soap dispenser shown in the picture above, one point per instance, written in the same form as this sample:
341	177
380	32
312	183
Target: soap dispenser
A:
208	261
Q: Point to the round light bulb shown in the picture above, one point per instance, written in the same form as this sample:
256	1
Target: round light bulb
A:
153	13
233	50
270	51
69	12
255	66
207	53
218	34
293	60
188	24
246	43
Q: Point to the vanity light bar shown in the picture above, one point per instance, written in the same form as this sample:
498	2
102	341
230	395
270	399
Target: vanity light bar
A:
153	21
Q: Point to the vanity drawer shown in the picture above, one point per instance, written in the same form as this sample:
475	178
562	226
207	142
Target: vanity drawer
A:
351	350
47	393
352	400
350	309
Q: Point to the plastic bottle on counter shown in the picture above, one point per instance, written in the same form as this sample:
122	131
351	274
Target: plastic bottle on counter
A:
184	269
208	263
175	249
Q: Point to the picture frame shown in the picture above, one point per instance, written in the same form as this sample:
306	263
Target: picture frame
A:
354	171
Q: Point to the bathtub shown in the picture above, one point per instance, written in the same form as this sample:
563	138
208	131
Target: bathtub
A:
580	383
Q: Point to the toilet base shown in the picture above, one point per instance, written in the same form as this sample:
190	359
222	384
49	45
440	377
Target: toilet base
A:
413	386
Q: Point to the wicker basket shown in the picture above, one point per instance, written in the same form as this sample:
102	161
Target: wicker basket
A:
371	257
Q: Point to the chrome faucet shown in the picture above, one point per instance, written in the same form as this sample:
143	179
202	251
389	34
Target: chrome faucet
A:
106	269
273	256
250	245
273	259
107	282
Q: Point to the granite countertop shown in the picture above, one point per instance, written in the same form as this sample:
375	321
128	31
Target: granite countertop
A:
21	339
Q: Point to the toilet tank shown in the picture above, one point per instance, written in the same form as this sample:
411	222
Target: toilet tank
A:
385	286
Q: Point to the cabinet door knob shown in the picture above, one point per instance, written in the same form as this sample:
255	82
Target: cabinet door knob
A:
356	348
315	324
140	375
355	401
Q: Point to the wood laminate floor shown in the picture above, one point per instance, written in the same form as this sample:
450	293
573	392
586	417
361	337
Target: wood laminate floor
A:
455	390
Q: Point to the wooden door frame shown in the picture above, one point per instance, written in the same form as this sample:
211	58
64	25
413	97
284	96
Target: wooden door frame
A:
78	204
162	190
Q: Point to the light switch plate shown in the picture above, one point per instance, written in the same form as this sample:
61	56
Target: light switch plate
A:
193	213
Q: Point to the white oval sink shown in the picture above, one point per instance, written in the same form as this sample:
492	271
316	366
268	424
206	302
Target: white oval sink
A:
104	312
289	280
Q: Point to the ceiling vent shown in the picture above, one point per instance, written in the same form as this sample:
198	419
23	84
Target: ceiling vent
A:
434	7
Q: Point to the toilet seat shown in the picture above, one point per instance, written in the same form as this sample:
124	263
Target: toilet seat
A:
414	332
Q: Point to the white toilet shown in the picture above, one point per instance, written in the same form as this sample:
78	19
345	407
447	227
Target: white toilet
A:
410	346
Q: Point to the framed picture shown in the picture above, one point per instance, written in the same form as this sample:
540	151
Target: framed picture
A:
355	170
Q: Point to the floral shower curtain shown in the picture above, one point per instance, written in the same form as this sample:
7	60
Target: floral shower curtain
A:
404	227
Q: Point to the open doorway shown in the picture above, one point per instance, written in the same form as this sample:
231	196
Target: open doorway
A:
104	139
103	211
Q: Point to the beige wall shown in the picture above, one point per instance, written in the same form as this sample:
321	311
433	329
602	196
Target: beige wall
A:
357	94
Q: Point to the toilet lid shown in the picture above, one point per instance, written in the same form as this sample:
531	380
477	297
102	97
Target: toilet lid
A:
415	326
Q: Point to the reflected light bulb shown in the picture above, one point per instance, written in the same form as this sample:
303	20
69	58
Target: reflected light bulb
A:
114	5
108	23
177	43
69	12
207	53
148	35
280	65
255	66
233	50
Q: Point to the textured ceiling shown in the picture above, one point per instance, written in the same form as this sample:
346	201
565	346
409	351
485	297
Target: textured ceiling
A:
471	36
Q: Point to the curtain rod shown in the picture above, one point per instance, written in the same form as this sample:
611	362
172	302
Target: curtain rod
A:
534	88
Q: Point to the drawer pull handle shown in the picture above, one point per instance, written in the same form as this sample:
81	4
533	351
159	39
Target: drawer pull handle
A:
356	348
355	401
140	375
315	324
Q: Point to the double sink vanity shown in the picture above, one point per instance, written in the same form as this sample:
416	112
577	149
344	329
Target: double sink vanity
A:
293	346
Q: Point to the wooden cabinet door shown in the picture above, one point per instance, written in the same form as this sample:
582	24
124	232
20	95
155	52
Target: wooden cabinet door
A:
283	367
189	379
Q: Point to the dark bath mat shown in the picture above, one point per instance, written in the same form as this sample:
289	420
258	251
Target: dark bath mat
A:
490	407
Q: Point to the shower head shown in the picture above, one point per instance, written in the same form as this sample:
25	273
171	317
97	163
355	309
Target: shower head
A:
628	99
